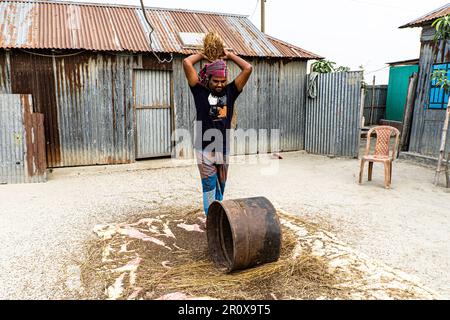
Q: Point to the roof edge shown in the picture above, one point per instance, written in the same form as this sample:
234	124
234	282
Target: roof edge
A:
417	23
404	62
126	6
314	56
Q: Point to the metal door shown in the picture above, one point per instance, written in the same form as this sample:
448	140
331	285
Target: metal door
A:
153	104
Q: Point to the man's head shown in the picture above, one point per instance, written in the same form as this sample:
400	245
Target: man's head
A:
217	84
214	76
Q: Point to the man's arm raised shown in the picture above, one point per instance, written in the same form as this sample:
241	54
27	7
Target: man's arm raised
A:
246	68
189	70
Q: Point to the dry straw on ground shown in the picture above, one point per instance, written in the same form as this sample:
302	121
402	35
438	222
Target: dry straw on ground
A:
187	268
165	252
301	277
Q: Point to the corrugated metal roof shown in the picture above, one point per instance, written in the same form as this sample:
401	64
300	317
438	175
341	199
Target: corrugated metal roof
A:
69	25
429	17
288	49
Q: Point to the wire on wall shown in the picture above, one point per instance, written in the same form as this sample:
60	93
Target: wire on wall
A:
52	55
150	37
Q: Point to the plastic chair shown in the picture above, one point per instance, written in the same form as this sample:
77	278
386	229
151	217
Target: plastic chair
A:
382	153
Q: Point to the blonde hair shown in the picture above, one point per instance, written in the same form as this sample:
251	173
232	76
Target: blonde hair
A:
213	47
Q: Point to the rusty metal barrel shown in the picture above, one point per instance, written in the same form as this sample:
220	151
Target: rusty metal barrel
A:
243	233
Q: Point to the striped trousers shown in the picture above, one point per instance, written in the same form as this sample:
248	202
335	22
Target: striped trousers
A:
213	168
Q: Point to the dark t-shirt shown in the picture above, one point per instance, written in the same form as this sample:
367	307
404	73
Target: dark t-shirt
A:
214	113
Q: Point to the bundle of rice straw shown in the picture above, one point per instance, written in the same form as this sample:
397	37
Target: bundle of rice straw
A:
213	46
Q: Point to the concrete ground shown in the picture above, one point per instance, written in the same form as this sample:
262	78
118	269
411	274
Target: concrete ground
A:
43	227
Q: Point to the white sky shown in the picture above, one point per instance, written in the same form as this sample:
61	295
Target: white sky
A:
349	32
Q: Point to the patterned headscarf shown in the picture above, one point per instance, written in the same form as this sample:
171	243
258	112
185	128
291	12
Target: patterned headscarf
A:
217	68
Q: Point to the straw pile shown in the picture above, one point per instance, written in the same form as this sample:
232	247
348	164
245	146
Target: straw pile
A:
131	268
164	255
213	46
302	277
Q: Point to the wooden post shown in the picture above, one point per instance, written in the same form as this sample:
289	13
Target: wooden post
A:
409	109
443	143
361	111
263	16
373	101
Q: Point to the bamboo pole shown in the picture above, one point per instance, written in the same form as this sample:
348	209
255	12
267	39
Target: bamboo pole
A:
443	144
409	108
373	102
361	111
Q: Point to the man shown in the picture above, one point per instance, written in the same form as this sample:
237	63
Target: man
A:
214	101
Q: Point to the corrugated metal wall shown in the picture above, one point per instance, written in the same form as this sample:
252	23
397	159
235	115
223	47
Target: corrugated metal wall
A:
379	103
287	105
12	133
22	149
427	123
94	109
272	99
88	104
32	74
332	118
86	99
153	101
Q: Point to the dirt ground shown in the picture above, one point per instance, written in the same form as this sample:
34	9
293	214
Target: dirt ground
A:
44	228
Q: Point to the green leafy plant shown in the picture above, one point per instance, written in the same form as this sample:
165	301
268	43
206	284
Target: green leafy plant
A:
327	66
440	76
442	28
442	32
323	66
